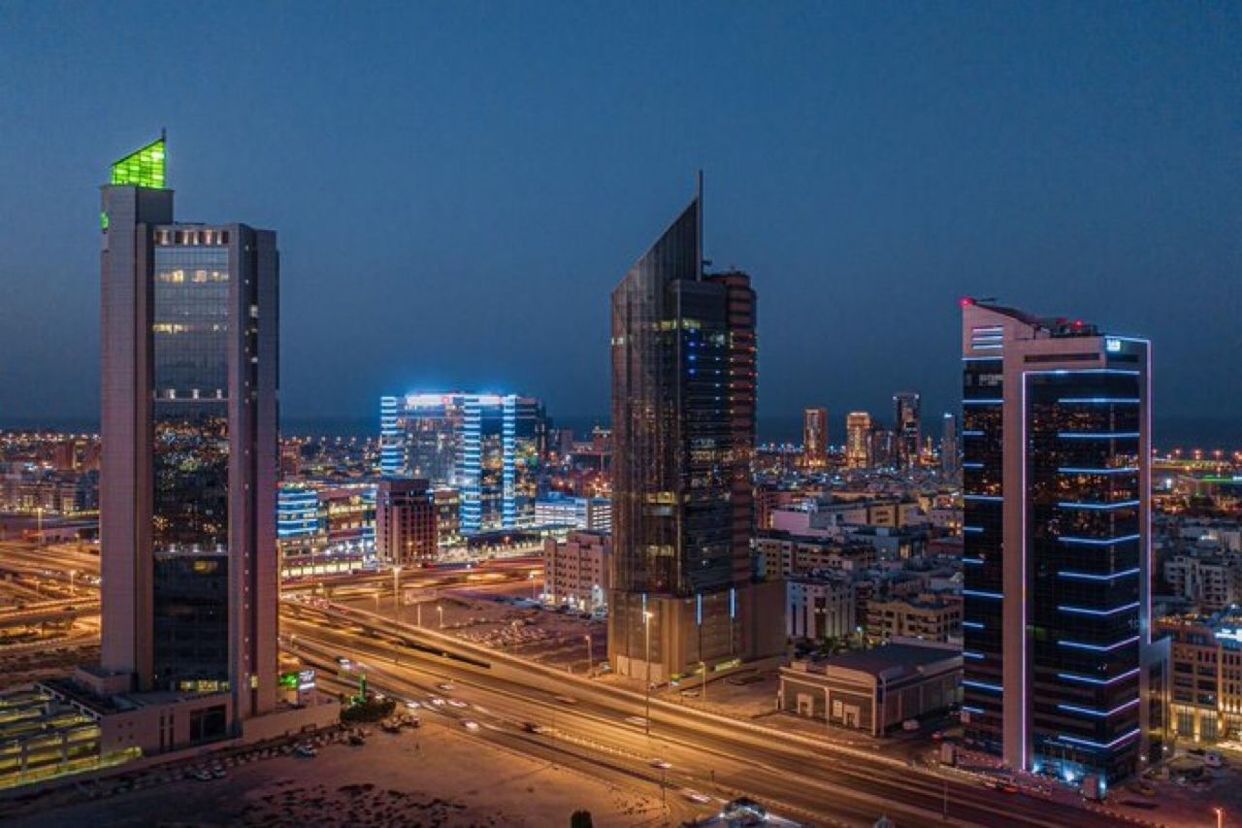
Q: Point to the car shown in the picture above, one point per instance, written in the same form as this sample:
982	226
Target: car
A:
938	736
446	686
344	663
458	703
413	705
695	796
637	721
531	727
357	740
307	751
1213	760
437	701
470	724
660	763
218	773
203	775
566	699
910	725
1009	788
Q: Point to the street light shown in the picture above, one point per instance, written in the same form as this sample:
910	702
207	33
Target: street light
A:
588	643
396	594
531	578
72	572
647	635
1220	817
703	681
440	609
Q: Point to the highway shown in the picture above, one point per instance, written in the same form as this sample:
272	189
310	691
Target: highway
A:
805	779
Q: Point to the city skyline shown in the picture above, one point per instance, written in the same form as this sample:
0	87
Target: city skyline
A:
848	345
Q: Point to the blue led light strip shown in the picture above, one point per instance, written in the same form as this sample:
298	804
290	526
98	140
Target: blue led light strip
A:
1089	576
983	685
982	402
1122	504
972	625
975	593
988	498
1100	435
1091	680
1098	541
1088	743
1088	611
1099	400
1117	470
1098	648
1100	714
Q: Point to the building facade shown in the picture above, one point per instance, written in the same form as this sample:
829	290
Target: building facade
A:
577	570
950	451
556	509
815	438
683	370
819	606
907	429
858	440
1057	543
189	463
489	447
405	522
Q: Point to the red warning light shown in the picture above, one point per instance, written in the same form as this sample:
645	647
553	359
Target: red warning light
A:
967	301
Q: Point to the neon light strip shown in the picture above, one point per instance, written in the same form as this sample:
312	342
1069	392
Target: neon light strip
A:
1087	576
1102	714
978	711
982	402
972	465
1098	541
986	347
1090	680
1075	740
1062	371
1086	611
1099	648
972	529
983	685
1104	435
975	593
974	625
1121	504
976	561
988	498
1077	470
976	656
972	433
1100	400
981	359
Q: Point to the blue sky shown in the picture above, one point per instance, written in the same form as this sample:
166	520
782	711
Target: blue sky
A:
458	186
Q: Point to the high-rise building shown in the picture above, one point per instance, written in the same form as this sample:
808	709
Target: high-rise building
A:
1057	483
858	440
405	522
189	466
907	429
489	447
950	459
683	369
815	438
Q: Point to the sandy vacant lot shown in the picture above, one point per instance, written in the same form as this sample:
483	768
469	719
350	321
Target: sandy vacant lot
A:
436	776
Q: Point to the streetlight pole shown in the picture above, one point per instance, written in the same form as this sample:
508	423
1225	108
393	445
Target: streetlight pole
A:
703	681
588	643
418	618
396	594
1220	817
440	609
647	635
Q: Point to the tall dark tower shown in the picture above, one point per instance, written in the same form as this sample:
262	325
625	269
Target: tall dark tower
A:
683	368
1059	665
189	465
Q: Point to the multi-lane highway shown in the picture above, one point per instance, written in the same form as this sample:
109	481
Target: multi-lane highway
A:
814	781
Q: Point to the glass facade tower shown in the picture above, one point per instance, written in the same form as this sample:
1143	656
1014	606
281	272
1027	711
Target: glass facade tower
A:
1056	480
189	465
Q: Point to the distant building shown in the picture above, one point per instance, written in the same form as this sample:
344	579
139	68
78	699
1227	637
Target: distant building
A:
815	438
874	690
819	606
555	509
907	429
1212	581
489	447
1206	692
950	457
576	570
405	522
927	617
858	440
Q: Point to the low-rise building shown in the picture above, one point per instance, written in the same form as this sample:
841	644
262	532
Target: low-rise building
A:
1206	694
928	617
405	522
590	513
1209	578
576	570
819	606
874	690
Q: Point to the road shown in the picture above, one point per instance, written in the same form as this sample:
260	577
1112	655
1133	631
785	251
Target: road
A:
815	782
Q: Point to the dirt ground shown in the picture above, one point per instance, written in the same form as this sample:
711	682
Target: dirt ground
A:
434	776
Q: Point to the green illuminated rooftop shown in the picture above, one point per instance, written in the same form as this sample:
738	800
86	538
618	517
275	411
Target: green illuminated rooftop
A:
144	168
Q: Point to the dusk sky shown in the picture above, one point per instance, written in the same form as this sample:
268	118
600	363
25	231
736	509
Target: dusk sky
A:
458	187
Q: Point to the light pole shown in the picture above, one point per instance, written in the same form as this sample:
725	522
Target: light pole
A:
588	643
531	578
39	529
647	635
396	594
440	609
72	572
703	681
1220	817
418	610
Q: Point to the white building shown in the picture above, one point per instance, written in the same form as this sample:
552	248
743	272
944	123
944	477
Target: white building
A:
819	606
590	513
576	570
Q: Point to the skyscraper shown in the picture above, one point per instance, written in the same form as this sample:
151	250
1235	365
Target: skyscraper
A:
189	466
815	438
487	446
907	429
1057	482
683	357
949	457
858	440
